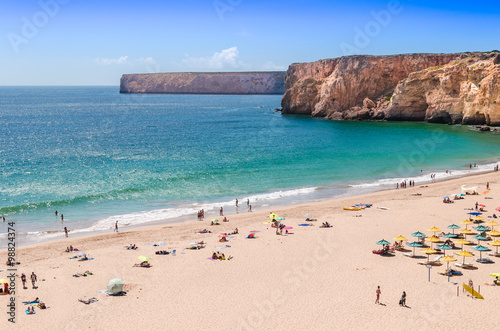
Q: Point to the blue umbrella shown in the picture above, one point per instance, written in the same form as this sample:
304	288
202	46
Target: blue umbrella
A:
475	213
481	249
446	197
414	244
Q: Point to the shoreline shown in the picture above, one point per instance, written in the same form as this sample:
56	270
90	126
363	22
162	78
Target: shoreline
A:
155	225
370	187
312	272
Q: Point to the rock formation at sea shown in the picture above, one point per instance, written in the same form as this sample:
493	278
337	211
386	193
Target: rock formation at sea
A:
459	88
205	83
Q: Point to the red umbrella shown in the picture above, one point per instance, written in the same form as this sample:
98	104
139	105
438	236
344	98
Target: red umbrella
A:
288	227
481	205
222	235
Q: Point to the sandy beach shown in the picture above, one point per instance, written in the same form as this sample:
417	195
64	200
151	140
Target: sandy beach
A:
315	278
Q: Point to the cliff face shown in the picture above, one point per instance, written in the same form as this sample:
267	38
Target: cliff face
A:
205	83
457	88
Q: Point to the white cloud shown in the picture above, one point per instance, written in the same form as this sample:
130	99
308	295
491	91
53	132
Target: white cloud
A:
106	61
270	66
150	63
226	59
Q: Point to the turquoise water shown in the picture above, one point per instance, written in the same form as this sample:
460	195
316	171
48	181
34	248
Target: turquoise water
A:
98	156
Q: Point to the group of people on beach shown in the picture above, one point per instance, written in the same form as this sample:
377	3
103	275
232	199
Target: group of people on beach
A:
404	184
402	301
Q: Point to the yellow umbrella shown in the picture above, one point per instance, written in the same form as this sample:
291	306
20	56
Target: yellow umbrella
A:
466	222
478	218
492	224
447	259
434	229
495	243
432	239
465	254
466	232
273	216
144	258
428	251
462	242
494	233
400	238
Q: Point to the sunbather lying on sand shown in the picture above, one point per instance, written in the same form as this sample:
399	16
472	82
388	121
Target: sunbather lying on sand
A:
144	264
325	225
132	246
88	301
311	219
204	231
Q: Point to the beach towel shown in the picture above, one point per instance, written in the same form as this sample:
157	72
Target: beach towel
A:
226	246
31	302
27	313
306	224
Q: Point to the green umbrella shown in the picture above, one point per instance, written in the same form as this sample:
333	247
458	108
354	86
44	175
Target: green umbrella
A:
481	249
449	235
414	244
481	228
418	234
115	285
444	247
383	242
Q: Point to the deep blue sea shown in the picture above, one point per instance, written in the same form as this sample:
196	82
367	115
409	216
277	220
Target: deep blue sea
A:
98	156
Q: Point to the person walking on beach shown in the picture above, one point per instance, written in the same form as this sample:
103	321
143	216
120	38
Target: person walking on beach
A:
248	202
116	226
23	279
62	218
402	302
33	279
487	185
56	213
236	203
476	205
378	295
221	211
66	231
249	208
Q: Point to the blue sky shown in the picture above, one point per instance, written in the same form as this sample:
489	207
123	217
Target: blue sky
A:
77	42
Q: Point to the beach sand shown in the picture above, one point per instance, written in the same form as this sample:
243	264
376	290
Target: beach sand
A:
315	278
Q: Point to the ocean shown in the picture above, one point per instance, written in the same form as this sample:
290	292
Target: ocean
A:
98	156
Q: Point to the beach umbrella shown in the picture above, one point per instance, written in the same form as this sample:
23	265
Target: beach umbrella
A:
214	220
462	242
449	235
418	234
288	227
492	224
273	216
481	206
447	259
383	242
486	192
481	228
414	244
475	213
466	222
495	275
465	254
434	229
479	237
222	235
445	197
481	249
116	285
432	240
453	227
444	247
466	232
478	218
81	254
495	243
144	258
307	216
280	219
497	208
494	233
428	251
400	238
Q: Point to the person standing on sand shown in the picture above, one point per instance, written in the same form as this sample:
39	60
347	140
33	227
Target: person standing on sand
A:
249	208
221	212
236	203
487	185
33	279
248	202
378	295
23	279
116	226
66	231
402	302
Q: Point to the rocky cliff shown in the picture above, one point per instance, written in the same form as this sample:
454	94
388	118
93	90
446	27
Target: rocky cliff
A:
446	88
205	83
